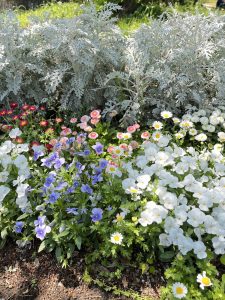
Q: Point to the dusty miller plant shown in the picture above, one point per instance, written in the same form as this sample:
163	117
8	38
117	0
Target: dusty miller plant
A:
65	61
174	61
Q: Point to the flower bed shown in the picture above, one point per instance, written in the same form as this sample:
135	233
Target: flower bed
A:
144	194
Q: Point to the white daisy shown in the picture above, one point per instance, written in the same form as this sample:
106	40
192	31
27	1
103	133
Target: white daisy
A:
179	290
157	125
156	135
116	238
203	280
166	114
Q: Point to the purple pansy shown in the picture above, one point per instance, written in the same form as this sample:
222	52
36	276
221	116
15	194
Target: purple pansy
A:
96	214
98	147
18	227
85	188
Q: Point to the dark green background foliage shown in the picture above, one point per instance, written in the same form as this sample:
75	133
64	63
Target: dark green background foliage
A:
129	6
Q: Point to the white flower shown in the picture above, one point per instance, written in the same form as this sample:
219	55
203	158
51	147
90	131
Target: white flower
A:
200	249
164	141
143	181
179	290
157	135
116	238
201	137
176	120
6	147
203	280
165	240
4	176
4	190
186	124
179	135
157	125
15	132
195	217
204	120
221	136
166	114
21	162
21	189
214	120
192	131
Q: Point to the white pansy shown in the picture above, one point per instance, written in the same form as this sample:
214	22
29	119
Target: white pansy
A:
200	249
4	176
221	137
14	133
202	137
195	217
4	190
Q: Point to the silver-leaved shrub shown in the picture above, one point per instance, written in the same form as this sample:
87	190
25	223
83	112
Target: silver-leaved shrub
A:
87	62
174	61
63	60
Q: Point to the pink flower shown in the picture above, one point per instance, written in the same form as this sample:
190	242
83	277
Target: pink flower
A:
137	126
53	142
93	135
66	131
73	120
134	144
95	121
114	156
63	140
82	125
110	149
85	119
95	114
123	146
74	133
119	135
145	135
88	129
131	129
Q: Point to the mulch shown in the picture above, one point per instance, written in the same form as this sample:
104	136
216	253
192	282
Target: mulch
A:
24	274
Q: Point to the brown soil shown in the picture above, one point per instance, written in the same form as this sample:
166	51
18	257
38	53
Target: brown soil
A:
27	275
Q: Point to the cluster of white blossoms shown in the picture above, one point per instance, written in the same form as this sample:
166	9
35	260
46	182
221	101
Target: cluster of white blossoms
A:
185	189
14	171
201	123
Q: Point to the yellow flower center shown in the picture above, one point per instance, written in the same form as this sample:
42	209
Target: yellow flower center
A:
112	169
206	281
157	135
179	290
119	218
116	238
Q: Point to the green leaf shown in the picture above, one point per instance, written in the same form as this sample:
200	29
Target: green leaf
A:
43	245
4	233
58	254
78	242
167	256
23	216
222	259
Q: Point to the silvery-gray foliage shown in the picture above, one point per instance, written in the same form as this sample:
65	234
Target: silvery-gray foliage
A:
174	61
87	62
65	61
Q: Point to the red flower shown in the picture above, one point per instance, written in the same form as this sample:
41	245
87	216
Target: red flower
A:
19	140
33	108
48	147
59	120
9	112
35	143
42	108
15	117
3	112
13	105
25	107
43	123
23	123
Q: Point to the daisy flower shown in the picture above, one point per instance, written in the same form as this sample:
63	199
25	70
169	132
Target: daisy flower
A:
116	238
179	290
157	125
166	114
176	120
186	124
156	135
203	280
145	135
193	131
